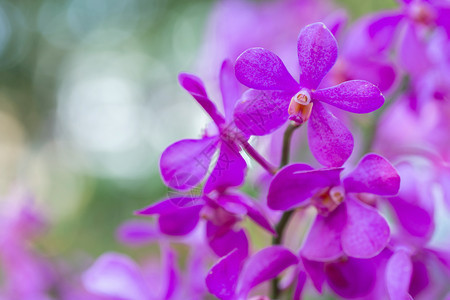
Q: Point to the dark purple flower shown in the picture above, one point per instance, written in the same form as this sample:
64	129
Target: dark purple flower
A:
276	97
185	163
347	222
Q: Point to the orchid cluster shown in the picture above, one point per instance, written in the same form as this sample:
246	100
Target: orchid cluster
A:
336	184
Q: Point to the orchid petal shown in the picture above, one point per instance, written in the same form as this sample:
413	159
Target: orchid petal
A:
382	28
296	183
185	163
352	277
256	213
229	86
137	232
196	88
398	275
315	271
261	69
317	52
323	242
261	112
410	49
116	275
223	276
175	220
375	175
223	240
229	169
366	232
356	96
262	266
330	141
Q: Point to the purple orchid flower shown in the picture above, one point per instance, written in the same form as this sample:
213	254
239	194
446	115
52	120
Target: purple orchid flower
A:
222	210
414	15
233	277
347	223
185	163
276	97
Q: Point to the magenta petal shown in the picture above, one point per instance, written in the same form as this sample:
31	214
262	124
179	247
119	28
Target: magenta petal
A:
398	275
357	96
382	28
185	163
416	220
116	275
315	271
137	232
366	233
296	183
223	276
375	175
410	49
173	219
264	265
195	87
256	213
223	241
323	242
317	52
229	87
330	141
351	277
261	69
229	169
261	112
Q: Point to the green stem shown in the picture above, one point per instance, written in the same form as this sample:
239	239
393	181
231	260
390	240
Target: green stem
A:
281	226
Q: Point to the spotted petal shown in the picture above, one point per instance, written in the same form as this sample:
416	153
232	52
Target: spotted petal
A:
330	141
261	112
317	53
261	69
357	96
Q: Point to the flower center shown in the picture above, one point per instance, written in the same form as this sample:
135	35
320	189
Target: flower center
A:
421	13
300	107
328	199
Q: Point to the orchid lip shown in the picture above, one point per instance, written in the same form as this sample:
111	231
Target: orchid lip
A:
300	107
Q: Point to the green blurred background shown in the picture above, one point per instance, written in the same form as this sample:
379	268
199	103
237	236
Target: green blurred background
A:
89	100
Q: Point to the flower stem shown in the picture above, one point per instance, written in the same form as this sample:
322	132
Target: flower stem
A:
276	240
258	158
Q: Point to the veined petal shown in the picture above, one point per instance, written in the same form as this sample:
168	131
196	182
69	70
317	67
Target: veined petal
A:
330	141
229	86
185	163
116	275
262	69
229	169
356	96
262	266
296	183
398	275
323	242
375	175
366	232
195	87
223	276
351	277
261	112
317	52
